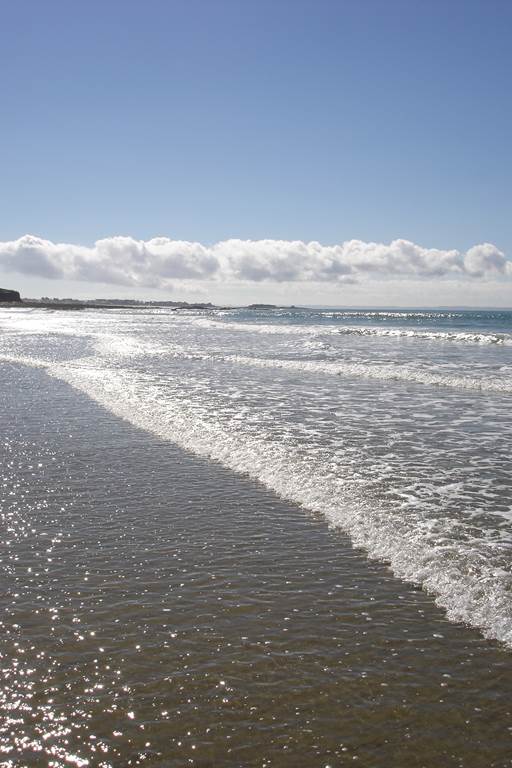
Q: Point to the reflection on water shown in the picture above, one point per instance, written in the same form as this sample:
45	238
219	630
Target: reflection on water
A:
161	611
397	429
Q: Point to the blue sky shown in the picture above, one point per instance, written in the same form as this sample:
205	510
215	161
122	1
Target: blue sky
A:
294	120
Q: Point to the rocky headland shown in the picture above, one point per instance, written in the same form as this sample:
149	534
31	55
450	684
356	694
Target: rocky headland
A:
9	296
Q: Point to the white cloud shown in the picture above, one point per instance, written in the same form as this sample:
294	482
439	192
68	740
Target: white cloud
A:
156	263
486	259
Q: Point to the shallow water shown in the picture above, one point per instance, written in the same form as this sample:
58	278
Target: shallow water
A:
395	426
160	610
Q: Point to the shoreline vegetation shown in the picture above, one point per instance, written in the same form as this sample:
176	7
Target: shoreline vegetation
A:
10	298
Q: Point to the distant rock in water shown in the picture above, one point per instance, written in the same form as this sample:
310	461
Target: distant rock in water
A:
6	295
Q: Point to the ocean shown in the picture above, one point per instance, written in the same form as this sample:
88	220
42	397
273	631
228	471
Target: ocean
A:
256	537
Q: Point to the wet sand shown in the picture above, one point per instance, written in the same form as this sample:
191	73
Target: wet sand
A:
160	610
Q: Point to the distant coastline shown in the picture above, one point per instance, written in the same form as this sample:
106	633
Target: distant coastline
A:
74	304
11	298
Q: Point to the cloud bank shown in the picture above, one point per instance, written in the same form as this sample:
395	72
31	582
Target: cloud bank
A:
156	263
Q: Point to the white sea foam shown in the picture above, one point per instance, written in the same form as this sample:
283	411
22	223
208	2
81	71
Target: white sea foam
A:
121	346
430	518
426	335
365	370
464	572
382	372
351	330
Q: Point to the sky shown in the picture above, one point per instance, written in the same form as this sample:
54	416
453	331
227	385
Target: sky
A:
350	152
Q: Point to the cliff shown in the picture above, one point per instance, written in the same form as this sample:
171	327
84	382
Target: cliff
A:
6	295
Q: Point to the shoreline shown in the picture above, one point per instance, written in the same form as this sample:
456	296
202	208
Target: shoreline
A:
242	598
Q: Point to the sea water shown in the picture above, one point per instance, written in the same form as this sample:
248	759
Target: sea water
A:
393	427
